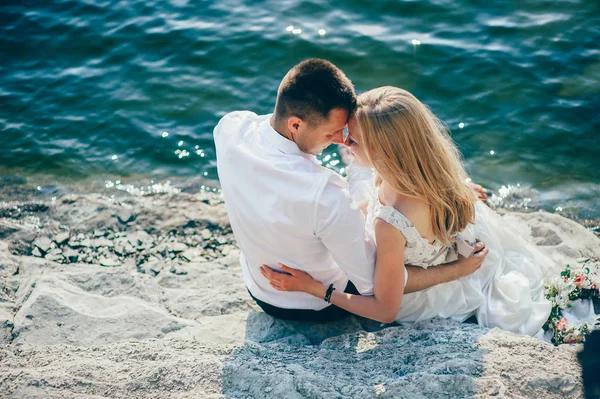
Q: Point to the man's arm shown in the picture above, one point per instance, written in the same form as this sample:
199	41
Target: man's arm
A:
420	278
340	225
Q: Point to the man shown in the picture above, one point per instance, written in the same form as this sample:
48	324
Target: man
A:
284	207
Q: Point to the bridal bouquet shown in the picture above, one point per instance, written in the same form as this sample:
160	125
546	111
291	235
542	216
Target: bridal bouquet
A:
573	284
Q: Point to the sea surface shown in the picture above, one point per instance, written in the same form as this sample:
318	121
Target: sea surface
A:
103	92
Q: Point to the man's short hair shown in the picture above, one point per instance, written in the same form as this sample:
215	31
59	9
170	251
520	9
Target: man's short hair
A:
311	89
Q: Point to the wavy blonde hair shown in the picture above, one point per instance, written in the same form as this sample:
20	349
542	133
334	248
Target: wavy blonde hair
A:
412	151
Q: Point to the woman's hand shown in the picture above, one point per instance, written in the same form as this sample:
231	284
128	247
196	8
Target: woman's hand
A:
293	280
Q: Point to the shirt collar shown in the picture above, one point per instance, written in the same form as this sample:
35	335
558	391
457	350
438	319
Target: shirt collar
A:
277	140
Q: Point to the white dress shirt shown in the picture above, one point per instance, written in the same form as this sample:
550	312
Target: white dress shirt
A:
360	180
285	207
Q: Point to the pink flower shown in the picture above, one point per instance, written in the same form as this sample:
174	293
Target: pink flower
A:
561	325
579	280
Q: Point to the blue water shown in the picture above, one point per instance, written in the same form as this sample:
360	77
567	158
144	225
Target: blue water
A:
89	88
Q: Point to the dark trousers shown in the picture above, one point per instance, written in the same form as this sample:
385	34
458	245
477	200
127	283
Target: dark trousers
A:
330	313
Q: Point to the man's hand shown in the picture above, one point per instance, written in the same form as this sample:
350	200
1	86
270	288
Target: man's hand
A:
478	190
469	265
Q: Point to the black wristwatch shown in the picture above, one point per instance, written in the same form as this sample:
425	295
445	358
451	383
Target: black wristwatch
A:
327	296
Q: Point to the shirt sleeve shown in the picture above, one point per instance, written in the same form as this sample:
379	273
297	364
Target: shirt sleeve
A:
340	225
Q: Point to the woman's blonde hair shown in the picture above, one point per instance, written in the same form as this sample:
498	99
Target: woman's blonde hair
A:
412	151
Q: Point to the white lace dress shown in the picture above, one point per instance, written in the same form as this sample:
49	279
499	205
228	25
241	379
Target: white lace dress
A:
506	292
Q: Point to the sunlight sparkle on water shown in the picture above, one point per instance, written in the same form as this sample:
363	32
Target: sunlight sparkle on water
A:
141	190
297	31
182	153
180	143
114	157
510	196
461	125
165	134
416	42
492	152
322	32
290	28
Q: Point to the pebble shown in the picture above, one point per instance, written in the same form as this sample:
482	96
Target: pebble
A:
61	238
177	272
101	242
125	217
226	250
77	242
140	239
119	249
190	254
71	255
54	257
109	262
43	243
55	251
178	247
206	234
36	252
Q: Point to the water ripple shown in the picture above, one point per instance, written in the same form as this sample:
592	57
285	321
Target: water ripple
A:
87	87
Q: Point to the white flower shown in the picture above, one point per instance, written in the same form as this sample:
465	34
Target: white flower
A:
562	301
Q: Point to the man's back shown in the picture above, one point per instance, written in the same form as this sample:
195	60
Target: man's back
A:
284	207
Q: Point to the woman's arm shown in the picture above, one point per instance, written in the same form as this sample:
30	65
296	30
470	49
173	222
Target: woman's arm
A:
388	282
385	303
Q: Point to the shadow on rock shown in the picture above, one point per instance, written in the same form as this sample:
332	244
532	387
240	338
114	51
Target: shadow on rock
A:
354	358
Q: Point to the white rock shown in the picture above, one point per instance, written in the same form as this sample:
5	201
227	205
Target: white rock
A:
125	217
43	243
36	252
61	238
109	262
177	247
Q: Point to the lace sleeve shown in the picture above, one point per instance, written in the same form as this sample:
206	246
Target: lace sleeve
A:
400	222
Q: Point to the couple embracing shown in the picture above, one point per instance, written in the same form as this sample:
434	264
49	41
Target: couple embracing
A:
421	246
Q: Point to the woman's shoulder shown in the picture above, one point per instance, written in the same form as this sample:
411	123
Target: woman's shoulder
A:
417	212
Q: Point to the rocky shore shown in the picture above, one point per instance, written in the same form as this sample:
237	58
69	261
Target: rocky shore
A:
142	296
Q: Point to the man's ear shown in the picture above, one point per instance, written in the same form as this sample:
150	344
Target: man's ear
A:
294	123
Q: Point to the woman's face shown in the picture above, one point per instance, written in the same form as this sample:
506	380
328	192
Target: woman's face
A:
356	148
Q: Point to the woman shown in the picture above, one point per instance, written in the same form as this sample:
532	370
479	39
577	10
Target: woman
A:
422	212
